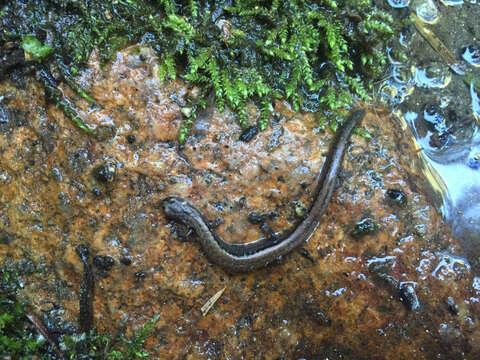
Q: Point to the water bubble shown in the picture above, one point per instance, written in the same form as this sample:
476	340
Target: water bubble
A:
450	266
434	76
402	74
452	2
475	102
471	54
433	116
392	92
474	162
396	56
426	10
398	3
405	39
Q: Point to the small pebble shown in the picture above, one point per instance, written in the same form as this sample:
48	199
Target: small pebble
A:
256	218
397	197
452	306
364	227
248	133
126	260
105	172
140	275
97	192
300	210
409	297
103	262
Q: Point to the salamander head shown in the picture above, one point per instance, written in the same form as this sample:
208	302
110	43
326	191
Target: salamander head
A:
178	208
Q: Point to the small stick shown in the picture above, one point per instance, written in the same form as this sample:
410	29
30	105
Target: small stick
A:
437	45
44	331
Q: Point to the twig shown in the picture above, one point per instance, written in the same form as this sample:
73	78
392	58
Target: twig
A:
437	45
44	331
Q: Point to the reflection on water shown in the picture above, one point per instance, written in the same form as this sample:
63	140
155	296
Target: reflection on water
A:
456	173
442	107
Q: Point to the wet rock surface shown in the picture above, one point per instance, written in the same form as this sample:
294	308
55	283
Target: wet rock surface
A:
397	292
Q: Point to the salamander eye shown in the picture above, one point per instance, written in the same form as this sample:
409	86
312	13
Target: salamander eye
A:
168	200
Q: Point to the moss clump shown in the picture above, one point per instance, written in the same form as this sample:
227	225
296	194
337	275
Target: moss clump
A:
316	54
18	338
21	339
104	346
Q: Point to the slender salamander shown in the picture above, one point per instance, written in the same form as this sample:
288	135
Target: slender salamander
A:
249	256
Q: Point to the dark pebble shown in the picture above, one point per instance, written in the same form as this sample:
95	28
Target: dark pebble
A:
126	260
452	306
103	262
5	237
97	192
304	252
397	197
105	172
474	163
409	297
268	231
12	57
244	321
131	138
256	218
364	227
248	133
273	214
140	275
214	224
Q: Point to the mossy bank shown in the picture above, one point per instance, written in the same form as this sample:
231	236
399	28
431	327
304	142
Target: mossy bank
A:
317	54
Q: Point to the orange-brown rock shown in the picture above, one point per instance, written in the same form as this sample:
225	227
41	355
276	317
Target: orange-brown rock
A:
340	297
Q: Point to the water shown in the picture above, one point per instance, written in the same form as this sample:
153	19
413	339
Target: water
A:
442	106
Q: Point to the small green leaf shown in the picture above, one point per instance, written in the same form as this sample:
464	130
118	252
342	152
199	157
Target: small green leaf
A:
35	48
363	133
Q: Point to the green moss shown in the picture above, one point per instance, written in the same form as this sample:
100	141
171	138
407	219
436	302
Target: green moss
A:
32	46
104	346
17	338
20	339
363	133
56	95
318	55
